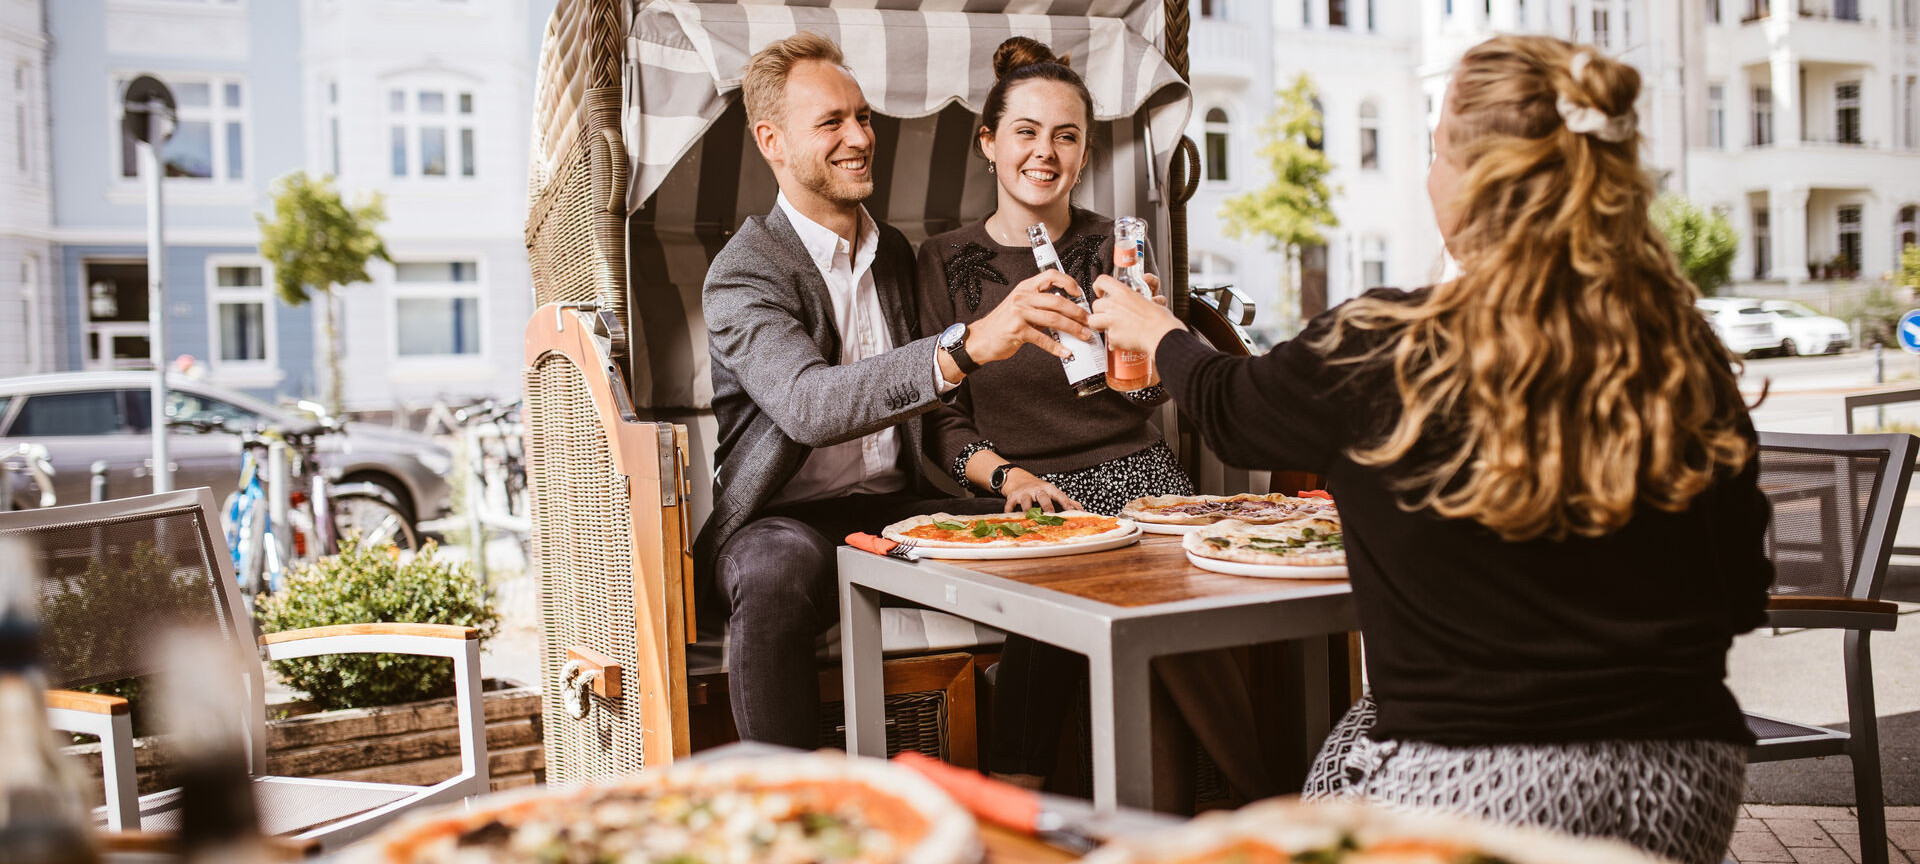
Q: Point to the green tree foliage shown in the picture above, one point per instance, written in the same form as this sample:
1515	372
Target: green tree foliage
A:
374	584
315	242
1289	211
1909	277
1702	240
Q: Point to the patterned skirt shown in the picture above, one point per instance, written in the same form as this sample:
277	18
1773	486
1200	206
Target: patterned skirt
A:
1677	799
1108	486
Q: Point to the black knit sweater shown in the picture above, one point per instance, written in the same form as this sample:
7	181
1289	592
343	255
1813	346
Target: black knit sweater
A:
1475	640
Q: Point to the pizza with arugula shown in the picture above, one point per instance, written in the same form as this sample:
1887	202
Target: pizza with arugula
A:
1035	527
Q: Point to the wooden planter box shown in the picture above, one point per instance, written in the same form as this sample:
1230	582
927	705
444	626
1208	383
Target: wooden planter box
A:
416	743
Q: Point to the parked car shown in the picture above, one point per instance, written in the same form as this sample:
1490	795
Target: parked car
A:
1745	327
1803	331
87	416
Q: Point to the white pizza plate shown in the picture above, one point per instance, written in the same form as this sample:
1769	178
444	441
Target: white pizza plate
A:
1266	571
1158	528
991	553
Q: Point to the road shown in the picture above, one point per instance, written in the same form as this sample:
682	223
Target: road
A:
1797	674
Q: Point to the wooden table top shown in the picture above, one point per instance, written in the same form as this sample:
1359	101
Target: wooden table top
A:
1154	570
1006	847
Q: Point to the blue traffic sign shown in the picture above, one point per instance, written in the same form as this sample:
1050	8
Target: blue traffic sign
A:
1909	331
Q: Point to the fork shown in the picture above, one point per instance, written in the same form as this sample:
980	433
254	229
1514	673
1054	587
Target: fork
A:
903	550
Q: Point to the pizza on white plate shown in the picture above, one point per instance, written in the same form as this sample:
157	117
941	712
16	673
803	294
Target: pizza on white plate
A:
1208	509
1287	831
1032	528
798	809
1310	542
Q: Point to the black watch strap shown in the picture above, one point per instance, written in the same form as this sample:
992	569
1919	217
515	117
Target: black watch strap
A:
958	351
999	477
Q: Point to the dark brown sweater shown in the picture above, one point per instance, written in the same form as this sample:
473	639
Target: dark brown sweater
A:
1023	404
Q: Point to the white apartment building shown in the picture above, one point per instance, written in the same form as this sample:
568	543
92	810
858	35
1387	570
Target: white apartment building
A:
1806	132
1381	68
28	315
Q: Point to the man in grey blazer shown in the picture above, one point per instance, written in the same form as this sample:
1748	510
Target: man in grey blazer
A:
819	382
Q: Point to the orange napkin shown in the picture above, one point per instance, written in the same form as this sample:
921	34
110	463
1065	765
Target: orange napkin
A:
870	543
1316	493
1002	804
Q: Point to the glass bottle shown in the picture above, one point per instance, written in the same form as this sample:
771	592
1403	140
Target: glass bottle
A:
42	817
1087	368
1128	371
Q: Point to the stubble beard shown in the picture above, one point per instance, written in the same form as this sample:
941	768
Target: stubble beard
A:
822	179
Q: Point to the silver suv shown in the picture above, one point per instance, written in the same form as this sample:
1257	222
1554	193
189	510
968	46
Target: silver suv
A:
86	416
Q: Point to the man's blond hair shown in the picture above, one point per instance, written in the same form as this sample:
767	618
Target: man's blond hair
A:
764	87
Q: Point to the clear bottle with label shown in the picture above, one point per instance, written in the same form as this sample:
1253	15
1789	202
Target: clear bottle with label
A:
1128	371
1087	368
42	816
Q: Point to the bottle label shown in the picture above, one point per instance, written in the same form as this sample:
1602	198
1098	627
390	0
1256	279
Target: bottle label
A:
1125	255
1127	365
1088	360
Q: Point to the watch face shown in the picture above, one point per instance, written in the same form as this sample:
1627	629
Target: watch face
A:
953	335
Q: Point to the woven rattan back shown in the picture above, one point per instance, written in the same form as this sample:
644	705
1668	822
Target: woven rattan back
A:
1836	505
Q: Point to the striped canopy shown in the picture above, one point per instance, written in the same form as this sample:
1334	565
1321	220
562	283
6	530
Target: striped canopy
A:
685	60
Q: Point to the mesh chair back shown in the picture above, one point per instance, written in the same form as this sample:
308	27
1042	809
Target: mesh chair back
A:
119	576
1836	502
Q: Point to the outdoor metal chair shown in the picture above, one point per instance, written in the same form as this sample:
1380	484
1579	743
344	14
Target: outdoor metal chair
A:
1836	502
120	576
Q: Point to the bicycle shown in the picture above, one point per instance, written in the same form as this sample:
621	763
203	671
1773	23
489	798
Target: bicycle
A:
272	526
493	435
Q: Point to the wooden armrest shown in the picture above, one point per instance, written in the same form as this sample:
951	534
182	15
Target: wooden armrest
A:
437	631
91	703
155	843
1831	604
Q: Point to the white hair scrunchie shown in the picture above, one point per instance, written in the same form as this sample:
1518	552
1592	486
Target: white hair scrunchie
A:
1587	120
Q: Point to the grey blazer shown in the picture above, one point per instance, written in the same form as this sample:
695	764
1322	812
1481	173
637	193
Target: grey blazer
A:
777	390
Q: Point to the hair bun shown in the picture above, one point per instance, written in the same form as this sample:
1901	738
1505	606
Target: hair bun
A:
1021	51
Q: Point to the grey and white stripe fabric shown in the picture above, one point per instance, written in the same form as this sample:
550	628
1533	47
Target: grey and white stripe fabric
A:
697	174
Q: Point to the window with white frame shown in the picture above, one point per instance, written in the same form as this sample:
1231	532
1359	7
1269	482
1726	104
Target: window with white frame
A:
333	125
1337	13
1218	135
1208	271
210	133
431	132
1713	11
1906	232
436	308
1762	116
1913	112
20	124
1762	245
1372	22
1716	116
242	328
1602	27
1846	112
1213	8
1369	137
1850	237
1373	263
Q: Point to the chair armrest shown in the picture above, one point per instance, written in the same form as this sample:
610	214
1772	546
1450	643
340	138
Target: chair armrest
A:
1840	613
436	631
425	640
90	703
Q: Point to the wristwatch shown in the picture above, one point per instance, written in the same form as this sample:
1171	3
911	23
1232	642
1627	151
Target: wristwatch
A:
953	340
999	477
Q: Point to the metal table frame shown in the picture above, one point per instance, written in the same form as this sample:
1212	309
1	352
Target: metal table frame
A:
1119	643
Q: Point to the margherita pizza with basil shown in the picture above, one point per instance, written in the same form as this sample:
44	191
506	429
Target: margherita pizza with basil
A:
1208	509
800	809
1032	528
1310	542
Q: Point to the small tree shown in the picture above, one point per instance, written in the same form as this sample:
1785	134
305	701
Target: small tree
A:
316	241
1289	211
1703	241
1909	277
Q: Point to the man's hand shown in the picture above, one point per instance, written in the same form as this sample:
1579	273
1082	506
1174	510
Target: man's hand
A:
1026	316
1131	322
1023	490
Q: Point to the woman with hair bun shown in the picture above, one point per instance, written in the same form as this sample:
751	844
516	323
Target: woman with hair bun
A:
1017	429
1547	476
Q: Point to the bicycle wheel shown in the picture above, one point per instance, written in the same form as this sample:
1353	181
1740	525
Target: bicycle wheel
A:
245	520
377	522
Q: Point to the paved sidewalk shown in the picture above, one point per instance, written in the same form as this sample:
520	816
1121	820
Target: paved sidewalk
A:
1791	834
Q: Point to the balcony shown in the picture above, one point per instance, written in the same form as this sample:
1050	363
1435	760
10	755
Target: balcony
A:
1224	52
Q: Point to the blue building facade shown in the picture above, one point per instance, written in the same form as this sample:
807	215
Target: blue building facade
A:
234	69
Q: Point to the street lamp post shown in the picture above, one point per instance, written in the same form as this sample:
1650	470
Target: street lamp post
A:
149	119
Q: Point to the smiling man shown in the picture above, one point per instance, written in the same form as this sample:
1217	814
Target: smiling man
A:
819	381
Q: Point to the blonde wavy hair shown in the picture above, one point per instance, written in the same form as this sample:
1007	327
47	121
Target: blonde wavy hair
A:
1565	377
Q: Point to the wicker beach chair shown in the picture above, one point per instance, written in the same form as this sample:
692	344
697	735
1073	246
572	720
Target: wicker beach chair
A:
119	576
1836	501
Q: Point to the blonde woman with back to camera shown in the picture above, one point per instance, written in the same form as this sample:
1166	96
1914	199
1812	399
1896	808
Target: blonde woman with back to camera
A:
1547	476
